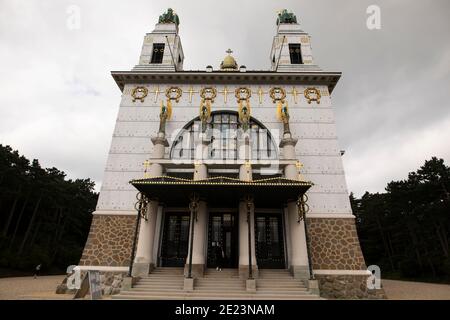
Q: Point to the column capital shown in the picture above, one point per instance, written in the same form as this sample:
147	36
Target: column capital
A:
161	140
288	142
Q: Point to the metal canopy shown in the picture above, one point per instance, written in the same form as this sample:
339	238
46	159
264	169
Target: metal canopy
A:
218	191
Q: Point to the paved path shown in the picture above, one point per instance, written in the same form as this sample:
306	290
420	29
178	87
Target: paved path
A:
28	288
406	290
43	288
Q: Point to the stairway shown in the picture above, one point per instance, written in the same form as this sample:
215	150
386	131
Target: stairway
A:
167	284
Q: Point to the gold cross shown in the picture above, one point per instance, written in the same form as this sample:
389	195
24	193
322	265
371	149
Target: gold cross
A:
156	92
299	166
294	92
260	93
146	166
225	92
191	91
248	165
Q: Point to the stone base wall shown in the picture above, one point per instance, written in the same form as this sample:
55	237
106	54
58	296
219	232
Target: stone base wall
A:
111	282
110	241
347	287
335	244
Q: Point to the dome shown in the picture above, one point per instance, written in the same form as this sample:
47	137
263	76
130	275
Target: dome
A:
228	63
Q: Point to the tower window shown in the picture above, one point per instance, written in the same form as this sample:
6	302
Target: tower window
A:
296	53
158	53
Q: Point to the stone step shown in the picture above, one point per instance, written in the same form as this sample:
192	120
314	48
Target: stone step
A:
219	284
227	294
144	286
188	297
157	281
280	285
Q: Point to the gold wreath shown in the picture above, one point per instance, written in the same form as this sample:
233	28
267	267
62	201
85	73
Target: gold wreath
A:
174	90
309	91
275	90
142	90
242	91
210	90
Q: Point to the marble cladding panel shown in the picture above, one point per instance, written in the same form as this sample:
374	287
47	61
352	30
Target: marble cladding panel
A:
322	164
135	145
327	183
114	180
116	200
328	203
125	162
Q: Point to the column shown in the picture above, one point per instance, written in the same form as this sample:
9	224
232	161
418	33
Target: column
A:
245	174
243	241
143	262
298	259
201	223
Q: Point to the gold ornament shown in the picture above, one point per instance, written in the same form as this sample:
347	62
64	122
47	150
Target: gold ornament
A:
205	110
174	93
260	94
242	94
312	94
156	92
225	93
208	93
166	111
283	111
191	92
146	164
277	94
139	93
294	93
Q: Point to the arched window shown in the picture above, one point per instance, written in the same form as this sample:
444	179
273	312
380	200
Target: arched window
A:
223	131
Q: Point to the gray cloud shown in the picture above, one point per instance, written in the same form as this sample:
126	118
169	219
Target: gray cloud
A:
59	103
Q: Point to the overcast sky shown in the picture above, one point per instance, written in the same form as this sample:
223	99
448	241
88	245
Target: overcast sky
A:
58	102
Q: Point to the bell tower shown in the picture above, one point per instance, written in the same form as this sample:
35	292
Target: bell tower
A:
162	50
291	48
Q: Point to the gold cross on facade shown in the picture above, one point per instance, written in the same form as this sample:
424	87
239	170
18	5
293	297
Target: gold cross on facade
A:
156	92
248	166
299	166
146	166
294	93
260	93
191	92
225	92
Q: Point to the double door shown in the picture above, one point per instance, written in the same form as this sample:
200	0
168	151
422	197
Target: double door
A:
175	241
269	240
222	235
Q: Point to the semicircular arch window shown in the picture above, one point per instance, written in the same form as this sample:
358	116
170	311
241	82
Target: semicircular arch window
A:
223	132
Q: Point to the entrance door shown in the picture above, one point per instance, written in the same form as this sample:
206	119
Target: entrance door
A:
174	248
222	230
269	240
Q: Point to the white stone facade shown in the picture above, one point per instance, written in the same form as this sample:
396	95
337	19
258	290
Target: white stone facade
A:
312	123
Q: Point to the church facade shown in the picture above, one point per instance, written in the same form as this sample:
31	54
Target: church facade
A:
240	162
